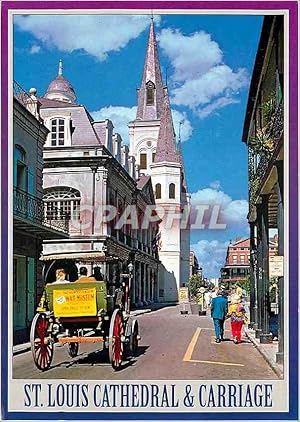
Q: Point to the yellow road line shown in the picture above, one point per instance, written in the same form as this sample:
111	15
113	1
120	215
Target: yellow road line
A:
191	346
215	363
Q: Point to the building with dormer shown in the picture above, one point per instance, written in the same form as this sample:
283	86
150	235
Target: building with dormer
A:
90	176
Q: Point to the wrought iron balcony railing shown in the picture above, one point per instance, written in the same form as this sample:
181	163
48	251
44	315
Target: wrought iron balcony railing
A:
21	95
32	209
261	152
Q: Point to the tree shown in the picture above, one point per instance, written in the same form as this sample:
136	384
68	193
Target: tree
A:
244	284
194	284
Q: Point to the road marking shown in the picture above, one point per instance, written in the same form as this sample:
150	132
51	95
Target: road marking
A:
191	346
215	363
189	352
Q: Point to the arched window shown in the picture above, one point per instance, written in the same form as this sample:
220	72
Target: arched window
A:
150	87
62	201
20	168
143	161
158	191
57	132
172	191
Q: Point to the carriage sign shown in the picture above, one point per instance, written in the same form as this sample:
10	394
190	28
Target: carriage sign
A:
71	302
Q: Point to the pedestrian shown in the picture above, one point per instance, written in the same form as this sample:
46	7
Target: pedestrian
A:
237	314
219	310
207	298
60	276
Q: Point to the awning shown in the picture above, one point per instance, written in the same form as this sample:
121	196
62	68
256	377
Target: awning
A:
80	256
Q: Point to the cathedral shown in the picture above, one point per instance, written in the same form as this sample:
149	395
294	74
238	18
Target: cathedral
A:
153	144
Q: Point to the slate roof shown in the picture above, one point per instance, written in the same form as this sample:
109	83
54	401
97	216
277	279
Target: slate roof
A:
151	73
166	146
83	131
143	180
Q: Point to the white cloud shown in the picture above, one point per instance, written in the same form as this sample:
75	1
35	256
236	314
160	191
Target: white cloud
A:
211	256
216	105
200	77
186	129
191	56
216	184
121	116
232	212
35	49
97	35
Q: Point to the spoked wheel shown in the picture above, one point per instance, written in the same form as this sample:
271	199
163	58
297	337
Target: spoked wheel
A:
73	347
134	337
115	344
41	342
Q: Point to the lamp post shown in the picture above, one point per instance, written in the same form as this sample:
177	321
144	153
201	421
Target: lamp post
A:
128	287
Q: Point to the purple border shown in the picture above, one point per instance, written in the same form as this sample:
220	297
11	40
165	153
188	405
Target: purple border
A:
292	6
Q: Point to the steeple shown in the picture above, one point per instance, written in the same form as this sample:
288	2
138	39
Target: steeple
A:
166	145
151	92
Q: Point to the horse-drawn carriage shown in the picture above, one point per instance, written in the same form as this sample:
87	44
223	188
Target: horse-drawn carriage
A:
84	311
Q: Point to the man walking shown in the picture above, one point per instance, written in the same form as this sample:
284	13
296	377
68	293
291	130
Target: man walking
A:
219	309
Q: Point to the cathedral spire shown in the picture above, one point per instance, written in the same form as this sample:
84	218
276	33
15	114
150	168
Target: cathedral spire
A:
166	145
151	92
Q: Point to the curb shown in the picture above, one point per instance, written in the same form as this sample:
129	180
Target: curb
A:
275	366
21	348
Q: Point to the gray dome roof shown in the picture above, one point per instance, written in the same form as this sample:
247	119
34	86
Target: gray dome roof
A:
60	84
60	88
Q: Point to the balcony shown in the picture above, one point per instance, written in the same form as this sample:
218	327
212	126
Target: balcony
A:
263	147
29	216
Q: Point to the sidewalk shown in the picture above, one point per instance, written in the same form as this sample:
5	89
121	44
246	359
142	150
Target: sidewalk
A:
268	351
25	347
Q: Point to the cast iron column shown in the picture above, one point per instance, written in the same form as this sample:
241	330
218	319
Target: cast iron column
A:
265	337
280	227
253	279
259	271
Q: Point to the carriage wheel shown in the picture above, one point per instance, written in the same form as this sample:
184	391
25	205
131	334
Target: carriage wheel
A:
115	344
41	342
134	337
73	349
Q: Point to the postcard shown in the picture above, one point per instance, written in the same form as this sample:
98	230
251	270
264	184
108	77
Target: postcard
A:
149	232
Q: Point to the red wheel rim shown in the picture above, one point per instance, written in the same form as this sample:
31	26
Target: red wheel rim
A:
117	346
43	347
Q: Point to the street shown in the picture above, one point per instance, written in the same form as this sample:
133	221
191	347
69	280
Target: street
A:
173	346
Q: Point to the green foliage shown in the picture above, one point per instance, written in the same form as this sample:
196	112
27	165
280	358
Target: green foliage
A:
194	284
244	284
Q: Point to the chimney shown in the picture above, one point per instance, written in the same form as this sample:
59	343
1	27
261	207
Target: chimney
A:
131	165
117	141
137	171
124	155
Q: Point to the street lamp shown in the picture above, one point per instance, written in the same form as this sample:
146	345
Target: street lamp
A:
130	267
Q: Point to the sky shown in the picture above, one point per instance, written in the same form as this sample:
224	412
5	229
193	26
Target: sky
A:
207	63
